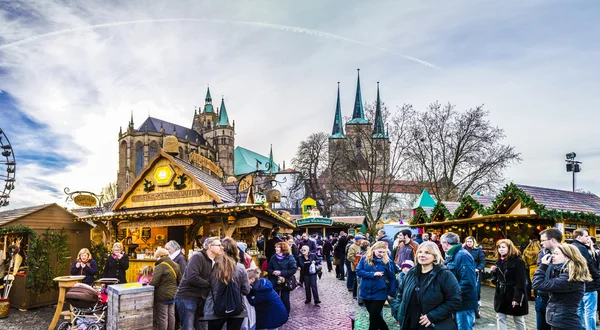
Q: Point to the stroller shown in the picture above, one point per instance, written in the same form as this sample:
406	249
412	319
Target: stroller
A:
88	305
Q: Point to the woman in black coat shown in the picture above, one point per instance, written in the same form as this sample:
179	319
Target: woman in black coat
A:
85	265
479	257
510	277
282	264
117	264
566	285
429	294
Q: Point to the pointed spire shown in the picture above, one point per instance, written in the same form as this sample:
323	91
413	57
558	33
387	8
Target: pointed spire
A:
131	121
338	129
223	118
358	115
271	162
208	98
208	108
379	129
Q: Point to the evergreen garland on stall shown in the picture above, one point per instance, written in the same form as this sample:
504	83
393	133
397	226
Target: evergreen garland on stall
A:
99	253
48	257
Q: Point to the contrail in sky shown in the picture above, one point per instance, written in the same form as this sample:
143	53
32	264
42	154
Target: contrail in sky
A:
257	24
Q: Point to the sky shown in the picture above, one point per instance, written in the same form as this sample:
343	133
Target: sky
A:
73	72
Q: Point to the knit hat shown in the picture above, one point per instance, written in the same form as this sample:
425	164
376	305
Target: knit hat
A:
242	246
407	263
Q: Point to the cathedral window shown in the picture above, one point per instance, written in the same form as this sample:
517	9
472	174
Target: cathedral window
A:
223	140
139	157
153	150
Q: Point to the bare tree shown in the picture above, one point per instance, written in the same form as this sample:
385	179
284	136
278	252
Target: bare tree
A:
109	192
312	163
459	151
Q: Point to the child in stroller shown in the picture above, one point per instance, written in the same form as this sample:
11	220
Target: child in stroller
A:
89	305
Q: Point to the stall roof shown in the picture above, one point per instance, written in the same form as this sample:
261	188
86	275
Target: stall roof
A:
211	183
563	200
7	217
171	211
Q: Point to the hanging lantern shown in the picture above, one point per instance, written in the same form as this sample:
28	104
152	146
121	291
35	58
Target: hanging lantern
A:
273	196
487	227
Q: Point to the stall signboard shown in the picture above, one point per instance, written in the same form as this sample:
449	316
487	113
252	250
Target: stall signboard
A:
314	222
85	200
245	183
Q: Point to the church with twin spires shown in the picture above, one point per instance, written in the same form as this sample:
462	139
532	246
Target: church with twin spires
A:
209	141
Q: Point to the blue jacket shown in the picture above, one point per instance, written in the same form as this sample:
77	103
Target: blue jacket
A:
287	266
270	311
89	271
460	262
376	287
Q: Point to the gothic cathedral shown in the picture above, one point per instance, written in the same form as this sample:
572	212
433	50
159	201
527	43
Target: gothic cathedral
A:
368	144
212	137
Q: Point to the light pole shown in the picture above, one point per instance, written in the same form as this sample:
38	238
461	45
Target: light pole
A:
573	165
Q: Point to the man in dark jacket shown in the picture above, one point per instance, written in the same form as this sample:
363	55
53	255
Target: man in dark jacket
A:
270	247
588	306
338	252
327	249
460	262
195	284
549	239
381	236
305	241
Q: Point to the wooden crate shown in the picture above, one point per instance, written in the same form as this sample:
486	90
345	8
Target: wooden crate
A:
130	307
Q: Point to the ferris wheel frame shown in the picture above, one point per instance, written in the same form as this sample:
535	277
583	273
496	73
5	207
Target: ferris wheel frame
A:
8	168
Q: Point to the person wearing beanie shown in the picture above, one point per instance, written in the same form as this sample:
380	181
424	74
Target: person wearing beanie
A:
395	303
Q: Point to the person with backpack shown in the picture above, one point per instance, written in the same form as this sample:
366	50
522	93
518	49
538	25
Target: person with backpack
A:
165	279
229	285
354	252
281	269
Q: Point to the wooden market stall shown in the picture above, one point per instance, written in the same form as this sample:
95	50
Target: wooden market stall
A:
518	212
16	227
172	199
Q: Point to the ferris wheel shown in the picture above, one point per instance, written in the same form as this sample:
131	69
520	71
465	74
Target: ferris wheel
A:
8	167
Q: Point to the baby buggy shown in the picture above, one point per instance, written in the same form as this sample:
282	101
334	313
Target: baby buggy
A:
88	305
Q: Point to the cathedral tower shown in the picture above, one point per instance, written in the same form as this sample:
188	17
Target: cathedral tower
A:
223	137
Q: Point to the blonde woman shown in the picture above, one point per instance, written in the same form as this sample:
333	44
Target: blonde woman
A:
530	256
566	285
430	294
510	277
85	265
378	282
117	263
479	258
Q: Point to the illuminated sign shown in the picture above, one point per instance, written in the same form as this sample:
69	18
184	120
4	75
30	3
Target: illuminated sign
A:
163	175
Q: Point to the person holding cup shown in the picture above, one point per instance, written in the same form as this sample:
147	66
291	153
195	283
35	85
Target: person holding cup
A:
85	265
116	264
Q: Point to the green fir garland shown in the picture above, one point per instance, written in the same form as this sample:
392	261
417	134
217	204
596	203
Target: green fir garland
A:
48	256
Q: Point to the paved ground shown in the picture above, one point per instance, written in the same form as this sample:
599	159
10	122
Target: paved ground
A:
335	312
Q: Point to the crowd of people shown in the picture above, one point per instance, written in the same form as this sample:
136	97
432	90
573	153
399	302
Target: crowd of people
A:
428	282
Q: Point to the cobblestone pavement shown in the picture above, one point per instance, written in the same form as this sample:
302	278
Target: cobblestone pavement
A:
337	308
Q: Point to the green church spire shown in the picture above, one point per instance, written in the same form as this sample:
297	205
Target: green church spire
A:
223	118
358	115
379	130
338	129
208	108
271	162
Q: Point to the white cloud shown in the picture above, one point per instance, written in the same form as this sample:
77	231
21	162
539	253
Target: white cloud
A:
280	83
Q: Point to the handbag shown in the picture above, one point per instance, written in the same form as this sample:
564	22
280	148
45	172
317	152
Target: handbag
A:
336	261
290	284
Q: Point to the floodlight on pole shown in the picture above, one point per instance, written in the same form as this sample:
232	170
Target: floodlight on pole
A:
572	165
